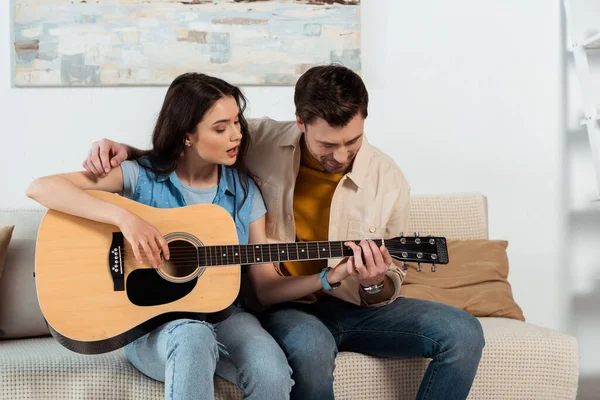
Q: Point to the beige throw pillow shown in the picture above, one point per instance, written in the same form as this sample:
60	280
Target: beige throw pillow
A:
5	236
475	280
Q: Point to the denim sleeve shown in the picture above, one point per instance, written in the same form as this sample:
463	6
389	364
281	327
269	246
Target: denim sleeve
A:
131	173
258	205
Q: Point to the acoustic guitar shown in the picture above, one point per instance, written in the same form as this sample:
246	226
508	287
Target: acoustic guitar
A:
97	298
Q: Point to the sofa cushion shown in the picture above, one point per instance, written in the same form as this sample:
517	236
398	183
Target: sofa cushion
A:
5	235
20	314
520	361
475	280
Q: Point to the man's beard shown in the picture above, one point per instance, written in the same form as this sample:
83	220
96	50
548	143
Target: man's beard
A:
338	169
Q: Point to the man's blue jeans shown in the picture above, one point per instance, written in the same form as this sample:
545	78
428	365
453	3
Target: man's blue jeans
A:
312	334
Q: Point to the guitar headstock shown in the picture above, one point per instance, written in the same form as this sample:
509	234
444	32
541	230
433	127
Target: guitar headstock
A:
427	249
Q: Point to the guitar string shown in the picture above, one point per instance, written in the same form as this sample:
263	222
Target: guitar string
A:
311	243
272	253
290	247
218	261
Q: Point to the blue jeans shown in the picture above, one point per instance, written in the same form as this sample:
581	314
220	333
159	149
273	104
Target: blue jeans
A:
185	355
311	335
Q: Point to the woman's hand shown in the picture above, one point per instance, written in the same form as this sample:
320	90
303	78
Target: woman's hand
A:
339	272
140	233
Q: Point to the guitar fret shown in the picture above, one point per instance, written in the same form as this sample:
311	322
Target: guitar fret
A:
235	250
273	252
267	257
283	252
201	257
244	254
230	255
333	250
322	249
313	250
303	254
258	258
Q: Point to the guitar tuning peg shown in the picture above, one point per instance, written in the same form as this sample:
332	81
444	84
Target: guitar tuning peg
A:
416	234
419	267
401	234
404	267
433	267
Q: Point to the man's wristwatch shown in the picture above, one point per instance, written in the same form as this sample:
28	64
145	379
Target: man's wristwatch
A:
326	286
374	289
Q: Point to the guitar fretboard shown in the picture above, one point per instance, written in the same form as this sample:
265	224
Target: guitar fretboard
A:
266	253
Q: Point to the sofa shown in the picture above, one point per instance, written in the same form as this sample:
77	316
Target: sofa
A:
520	360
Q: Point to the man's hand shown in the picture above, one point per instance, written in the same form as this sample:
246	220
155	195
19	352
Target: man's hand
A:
104	155
377	261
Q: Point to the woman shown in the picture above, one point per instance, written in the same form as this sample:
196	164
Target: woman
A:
199	144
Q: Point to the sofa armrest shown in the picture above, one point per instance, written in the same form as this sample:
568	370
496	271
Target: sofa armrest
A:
522	360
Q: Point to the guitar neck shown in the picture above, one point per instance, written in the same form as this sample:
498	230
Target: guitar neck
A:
274	252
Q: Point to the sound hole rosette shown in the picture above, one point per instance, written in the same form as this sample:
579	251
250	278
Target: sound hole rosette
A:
183	265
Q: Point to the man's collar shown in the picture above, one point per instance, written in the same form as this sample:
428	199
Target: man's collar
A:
291	138
360	165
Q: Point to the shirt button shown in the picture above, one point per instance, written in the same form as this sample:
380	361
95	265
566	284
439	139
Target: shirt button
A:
372	229
289	217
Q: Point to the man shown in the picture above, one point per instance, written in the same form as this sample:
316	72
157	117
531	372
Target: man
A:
321	180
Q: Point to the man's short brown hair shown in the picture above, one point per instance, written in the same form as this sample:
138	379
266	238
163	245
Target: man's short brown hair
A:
333	92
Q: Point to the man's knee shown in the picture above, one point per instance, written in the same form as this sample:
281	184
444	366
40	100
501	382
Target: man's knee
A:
306	341
466	333
310	340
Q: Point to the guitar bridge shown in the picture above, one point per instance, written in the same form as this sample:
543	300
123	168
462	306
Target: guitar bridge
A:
115	261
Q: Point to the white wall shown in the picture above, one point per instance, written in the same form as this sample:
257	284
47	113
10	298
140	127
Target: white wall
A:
469	96
466	96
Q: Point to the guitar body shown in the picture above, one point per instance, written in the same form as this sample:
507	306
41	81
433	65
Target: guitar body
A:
96	297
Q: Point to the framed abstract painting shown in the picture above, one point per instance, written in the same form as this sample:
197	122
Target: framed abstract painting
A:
150	42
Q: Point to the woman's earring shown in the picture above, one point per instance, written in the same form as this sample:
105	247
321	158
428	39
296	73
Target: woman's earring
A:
188	144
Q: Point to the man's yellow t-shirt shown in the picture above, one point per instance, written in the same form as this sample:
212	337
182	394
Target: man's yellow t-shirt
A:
312	203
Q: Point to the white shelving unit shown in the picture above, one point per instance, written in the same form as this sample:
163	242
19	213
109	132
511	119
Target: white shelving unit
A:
582	183
580	50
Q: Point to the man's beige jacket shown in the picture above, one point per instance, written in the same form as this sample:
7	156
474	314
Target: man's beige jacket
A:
370	202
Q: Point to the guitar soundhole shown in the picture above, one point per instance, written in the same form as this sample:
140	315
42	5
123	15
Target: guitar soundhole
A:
183	261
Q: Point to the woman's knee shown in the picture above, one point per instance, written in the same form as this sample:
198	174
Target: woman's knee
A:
268	373
192	336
